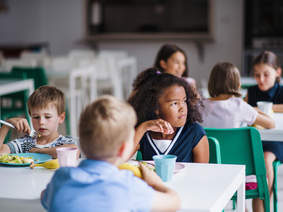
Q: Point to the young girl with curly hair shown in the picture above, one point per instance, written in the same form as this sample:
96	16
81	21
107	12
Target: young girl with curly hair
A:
167	110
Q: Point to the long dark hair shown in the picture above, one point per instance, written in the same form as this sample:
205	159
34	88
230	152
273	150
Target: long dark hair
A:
268	58
150	85
165	52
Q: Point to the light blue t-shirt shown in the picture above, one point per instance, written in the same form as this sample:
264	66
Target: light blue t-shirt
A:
96	186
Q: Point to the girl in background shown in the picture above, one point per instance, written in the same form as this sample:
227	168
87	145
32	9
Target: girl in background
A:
267	72
173	60
167	118
226	108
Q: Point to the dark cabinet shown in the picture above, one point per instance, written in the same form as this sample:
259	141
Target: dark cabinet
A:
152	19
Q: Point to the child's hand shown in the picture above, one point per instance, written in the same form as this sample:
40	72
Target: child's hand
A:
159	125
21	124
150	177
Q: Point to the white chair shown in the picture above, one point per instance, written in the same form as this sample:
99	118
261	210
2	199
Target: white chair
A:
8	64
108	76
39	57
82	91
128	70
81	57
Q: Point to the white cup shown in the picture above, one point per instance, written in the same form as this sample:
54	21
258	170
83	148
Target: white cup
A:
67	156
265	107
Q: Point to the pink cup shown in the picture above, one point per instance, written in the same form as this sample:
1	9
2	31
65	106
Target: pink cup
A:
67	156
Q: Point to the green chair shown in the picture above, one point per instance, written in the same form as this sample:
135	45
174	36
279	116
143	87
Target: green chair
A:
18	100
214	150
36	73
244	146
276	164
13	105
139	156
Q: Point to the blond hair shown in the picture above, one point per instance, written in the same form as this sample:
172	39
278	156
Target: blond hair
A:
104	125
44	95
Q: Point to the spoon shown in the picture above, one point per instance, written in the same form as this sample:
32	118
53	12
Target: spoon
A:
33	133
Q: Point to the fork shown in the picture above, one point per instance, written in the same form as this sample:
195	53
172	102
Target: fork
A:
32	134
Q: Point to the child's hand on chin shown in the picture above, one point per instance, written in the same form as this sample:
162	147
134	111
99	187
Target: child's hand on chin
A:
159	125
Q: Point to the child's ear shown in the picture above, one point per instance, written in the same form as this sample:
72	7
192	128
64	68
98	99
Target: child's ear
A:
163	64
62	117
121	150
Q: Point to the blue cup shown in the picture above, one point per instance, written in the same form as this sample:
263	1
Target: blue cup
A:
164	166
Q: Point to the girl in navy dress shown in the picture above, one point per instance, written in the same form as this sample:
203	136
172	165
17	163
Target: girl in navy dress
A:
167	110
267	72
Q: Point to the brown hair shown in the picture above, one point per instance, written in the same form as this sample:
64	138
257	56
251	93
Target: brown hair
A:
268	58
165	52
224	79
104	125
44	95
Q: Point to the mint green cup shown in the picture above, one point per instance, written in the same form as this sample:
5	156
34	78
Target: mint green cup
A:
164	166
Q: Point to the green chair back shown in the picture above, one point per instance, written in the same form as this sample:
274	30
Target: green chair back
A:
243	146
36	73
214	150
13	105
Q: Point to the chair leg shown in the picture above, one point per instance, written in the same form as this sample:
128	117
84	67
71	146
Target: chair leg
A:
266	203
234	204
275	194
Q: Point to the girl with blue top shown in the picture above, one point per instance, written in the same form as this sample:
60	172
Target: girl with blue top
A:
267	72
168	113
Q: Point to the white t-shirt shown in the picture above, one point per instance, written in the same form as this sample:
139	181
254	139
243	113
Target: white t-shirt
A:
230	113
162	145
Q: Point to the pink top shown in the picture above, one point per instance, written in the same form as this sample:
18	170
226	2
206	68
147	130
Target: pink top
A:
230	113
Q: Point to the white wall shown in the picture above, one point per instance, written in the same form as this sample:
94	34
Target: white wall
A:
61	23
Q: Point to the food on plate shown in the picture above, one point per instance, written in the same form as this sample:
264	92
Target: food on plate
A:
51	164
8	158
134	168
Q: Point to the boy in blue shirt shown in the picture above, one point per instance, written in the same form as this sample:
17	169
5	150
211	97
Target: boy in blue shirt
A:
106	133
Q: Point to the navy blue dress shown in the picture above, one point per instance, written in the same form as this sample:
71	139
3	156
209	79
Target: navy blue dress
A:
182	145
275	95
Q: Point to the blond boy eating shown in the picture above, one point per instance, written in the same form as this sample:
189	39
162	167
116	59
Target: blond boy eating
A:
46	107
106	133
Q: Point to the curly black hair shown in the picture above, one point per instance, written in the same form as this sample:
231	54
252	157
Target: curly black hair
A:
150	85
